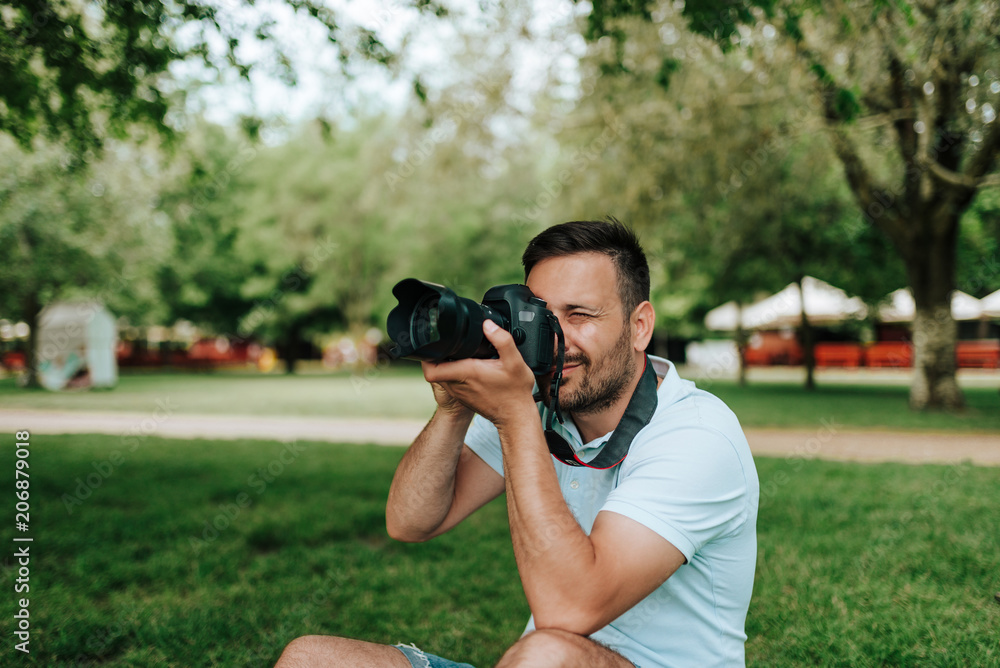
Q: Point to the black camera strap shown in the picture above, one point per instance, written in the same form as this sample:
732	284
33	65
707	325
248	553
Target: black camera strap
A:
560	361
637	415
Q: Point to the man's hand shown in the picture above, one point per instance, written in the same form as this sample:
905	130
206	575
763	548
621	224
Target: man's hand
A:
447	404
497	389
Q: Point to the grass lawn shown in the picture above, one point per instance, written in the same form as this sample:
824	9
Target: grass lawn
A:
854	406
396	392
859	565
400	392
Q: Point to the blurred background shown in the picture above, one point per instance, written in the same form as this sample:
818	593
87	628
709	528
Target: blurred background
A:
226	183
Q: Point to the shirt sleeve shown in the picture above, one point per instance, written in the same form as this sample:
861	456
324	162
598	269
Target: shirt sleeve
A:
688	485
484	440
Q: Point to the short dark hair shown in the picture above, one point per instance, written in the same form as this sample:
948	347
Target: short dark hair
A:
610	238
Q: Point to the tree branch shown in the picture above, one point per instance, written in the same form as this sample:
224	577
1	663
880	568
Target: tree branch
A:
863	185
982	161
889	117
907	136
859	177
947	176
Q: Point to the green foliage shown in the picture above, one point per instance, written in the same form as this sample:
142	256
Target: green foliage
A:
821	74
979	246
670	66
846	105
602	15
313	232
914	66
719	20
63	65
69	231
793	25
734	195
202	280
83	72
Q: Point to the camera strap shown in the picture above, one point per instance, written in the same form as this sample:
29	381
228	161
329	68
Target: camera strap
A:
637	415
557	374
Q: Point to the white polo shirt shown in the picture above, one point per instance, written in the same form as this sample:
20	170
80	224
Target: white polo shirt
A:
689	477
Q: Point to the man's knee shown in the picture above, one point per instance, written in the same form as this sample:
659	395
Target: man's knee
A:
334	652
545	647
300	652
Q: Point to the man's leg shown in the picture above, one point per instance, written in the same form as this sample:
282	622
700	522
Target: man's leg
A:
333	652
549	648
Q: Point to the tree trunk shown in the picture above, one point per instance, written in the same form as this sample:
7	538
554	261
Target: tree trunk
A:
930	266
806	336
32	309
291	349
934	384
741	346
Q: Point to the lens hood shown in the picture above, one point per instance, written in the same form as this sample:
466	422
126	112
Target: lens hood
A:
433	323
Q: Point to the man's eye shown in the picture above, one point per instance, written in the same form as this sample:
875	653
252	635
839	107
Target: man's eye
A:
580	315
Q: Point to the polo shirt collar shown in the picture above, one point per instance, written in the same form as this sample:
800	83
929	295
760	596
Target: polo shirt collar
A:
669	391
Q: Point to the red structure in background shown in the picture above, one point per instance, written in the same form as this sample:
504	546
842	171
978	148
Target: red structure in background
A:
14	361
777	349
839	354
982	354
203	354
773	349
892	354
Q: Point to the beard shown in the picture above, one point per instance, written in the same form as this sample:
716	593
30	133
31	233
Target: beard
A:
601	383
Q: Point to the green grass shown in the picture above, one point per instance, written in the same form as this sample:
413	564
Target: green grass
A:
854	406
400	392
138	575
397	392
859	565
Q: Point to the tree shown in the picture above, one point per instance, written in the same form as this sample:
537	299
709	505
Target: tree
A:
313	234
86	75
85	71
914	76
91	233
202	277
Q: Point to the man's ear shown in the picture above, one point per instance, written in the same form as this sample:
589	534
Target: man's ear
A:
643	318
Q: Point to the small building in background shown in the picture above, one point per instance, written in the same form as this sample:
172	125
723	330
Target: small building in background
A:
76	344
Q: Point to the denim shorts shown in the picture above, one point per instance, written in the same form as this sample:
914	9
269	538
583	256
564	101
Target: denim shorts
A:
420	659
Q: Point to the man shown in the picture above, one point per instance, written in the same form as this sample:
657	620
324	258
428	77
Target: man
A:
646	561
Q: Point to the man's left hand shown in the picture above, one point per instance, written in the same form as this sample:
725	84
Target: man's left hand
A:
497	389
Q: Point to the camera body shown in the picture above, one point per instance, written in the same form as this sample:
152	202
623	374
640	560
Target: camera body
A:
432	323
528	320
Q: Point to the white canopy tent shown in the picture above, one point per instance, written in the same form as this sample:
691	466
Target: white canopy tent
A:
990	305
901	307
723	318
824	304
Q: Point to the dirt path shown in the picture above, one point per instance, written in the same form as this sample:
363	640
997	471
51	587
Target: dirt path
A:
830	441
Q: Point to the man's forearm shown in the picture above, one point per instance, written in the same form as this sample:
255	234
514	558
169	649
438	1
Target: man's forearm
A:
423	488
554	555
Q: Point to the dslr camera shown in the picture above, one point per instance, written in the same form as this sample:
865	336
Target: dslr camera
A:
434	324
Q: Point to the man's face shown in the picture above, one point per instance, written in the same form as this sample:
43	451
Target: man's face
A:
582	291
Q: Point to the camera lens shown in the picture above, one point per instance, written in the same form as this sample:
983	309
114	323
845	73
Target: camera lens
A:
425	321
433	323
